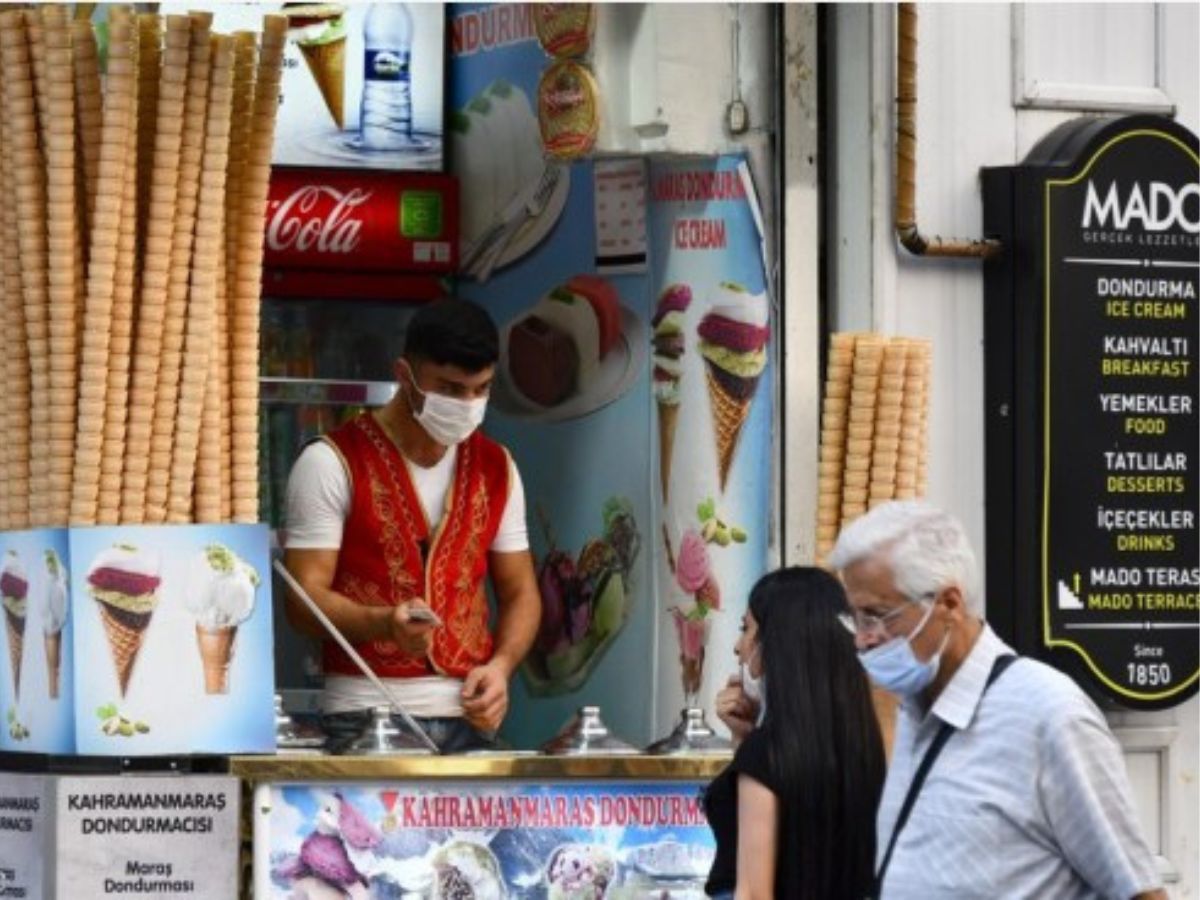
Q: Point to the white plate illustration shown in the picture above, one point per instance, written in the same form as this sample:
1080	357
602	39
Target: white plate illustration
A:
533	232
618	371
529	233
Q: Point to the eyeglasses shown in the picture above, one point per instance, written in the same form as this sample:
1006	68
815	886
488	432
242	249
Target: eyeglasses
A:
863	624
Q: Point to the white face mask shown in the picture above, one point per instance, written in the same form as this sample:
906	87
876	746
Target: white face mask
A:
895	667
447	420
753	688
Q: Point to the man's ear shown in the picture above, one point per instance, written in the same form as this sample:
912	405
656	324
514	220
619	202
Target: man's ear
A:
953	601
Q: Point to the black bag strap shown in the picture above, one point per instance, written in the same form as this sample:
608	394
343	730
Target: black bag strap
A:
1001	663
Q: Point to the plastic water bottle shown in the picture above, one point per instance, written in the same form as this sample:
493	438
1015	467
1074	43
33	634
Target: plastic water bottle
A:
386	120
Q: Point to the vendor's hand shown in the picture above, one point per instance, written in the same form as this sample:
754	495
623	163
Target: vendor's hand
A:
485	697
735	709
412	637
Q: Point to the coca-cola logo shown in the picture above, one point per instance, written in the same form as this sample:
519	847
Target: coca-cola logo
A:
318	218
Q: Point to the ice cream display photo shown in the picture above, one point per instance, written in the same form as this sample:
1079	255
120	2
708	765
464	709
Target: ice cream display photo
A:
585	602
54	617
14	593
571	353
733	343
694	577
319	30
511	195
668	344
124	582
467	870
580	872
220	594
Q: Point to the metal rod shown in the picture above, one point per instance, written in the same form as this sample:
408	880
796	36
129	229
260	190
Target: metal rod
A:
353	654
906	155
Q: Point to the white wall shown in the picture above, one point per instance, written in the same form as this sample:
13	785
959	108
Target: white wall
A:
993	79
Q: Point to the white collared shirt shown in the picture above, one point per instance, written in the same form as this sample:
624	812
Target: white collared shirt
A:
1029	798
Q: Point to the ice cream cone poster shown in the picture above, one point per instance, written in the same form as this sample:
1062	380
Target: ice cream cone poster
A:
221	594
36	683
174	639
712	387
362	83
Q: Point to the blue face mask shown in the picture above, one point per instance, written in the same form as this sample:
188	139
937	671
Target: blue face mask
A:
895	667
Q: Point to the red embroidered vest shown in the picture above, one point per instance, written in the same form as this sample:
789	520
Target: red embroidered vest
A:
380	562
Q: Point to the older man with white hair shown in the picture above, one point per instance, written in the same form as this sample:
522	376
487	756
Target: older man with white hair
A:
1002	783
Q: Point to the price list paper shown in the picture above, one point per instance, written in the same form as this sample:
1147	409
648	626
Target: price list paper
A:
1120	555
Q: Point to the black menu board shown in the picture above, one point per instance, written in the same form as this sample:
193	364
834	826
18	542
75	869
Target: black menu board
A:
1120	555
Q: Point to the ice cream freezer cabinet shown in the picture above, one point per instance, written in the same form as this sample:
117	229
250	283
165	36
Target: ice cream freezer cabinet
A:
485	826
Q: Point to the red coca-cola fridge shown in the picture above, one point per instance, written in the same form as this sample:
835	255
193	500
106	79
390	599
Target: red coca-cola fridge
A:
349	255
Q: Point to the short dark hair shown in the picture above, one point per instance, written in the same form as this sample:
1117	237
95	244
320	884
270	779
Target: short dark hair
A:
453	332
823	741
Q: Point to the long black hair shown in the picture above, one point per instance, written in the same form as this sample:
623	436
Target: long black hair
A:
824	744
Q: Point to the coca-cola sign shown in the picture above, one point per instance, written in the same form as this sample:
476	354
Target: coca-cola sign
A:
303	222
368	221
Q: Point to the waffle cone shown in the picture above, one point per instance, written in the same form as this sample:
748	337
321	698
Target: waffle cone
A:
124	642
246	266
53	641
327	62
216	650
729	415
16	647
668	420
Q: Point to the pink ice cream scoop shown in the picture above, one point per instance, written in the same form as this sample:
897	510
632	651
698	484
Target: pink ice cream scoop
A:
690	633
692	566
676	298
741	337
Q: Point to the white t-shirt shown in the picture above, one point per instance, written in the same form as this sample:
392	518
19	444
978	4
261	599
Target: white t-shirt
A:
318	502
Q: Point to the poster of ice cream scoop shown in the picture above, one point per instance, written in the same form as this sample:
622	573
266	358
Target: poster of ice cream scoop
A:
482	840
36	686
713	390
512	195
570	399
173	639
362	83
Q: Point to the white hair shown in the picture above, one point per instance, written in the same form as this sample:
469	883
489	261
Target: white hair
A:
926	549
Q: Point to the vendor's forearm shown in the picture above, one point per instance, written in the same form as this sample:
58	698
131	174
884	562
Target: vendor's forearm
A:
516	630
356	622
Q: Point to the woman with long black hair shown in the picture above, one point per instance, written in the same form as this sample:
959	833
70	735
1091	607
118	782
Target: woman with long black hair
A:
794	812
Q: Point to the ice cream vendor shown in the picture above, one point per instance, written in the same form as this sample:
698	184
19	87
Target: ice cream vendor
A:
395	520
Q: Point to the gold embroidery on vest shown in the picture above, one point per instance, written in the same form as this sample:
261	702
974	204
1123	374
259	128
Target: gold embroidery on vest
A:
466	621
396	542
367	593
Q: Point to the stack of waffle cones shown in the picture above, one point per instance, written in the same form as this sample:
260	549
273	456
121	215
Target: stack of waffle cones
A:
873	441
873	428
131	286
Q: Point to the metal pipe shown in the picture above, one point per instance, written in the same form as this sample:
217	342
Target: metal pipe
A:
334	633
906	155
